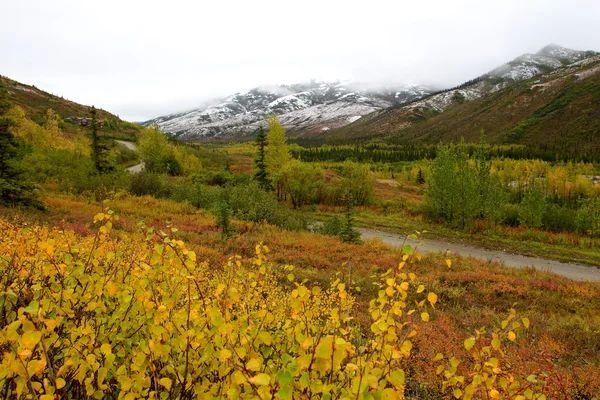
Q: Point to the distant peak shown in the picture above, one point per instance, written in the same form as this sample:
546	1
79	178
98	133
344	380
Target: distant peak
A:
555	50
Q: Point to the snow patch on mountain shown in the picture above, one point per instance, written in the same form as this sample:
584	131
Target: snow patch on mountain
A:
300	107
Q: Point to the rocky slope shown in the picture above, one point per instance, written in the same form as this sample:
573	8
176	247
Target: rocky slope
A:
304	109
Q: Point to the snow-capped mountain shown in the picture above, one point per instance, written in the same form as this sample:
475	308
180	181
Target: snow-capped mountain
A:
302	108
521	68
530	65
547	64
315	108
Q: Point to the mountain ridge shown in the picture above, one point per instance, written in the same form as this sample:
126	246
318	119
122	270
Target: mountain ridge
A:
396	119
315	109
312	106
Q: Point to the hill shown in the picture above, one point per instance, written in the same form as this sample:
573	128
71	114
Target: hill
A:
35	103
305	109
547	99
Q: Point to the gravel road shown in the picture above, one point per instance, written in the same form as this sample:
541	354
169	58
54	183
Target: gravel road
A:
132	146
570	270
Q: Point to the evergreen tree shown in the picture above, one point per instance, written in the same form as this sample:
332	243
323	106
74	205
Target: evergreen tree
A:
223	212
14	187
96	150
348	232
420	179
260	175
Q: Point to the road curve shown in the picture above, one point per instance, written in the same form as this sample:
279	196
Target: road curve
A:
570	270
132	146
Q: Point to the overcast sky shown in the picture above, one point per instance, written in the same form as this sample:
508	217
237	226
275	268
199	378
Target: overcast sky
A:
142	59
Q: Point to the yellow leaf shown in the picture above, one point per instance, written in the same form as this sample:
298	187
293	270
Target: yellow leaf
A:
420	288
425	316
111	288
260	379
106	348
511	336
31	339
449	263
224	354
525	322
469	343
238	378
432	297
60	383
253	364
166	382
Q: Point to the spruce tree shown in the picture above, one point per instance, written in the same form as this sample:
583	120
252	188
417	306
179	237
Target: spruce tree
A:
14	188
261	175
223	213
420	179
95	141
348	232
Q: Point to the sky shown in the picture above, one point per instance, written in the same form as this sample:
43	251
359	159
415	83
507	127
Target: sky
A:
143	59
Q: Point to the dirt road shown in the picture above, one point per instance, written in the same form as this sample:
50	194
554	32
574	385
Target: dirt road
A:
569	270
132	146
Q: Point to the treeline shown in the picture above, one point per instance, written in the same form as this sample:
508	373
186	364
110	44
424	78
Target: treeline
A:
370	153
462	189
379	152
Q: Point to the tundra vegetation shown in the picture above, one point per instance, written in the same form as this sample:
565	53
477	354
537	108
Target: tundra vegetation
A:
177	282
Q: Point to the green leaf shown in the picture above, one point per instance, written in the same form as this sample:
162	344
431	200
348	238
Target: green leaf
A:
496	344
33	307
284	377
285	393
397	378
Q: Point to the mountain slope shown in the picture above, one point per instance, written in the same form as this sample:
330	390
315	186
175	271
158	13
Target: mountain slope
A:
304	109
35	102
484	103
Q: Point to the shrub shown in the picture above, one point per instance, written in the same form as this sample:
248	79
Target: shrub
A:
510	214
147	183
559	219
139	316
251	203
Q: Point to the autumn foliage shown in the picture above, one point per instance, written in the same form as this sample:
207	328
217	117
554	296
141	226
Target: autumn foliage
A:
138	316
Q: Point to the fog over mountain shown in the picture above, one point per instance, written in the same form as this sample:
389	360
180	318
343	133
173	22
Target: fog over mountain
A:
142	59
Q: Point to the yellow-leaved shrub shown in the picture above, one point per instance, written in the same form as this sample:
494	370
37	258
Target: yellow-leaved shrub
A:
137	316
